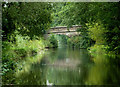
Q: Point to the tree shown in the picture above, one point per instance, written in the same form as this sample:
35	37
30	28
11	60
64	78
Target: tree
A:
28	19
105	14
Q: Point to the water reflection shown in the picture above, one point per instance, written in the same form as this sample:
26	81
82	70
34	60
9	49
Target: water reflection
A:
58	67
68	67
104	71
36	76
31	73
65	66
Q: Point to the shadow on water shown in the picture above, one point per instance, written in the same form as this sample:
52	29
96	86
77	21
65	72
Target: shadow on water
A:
65	66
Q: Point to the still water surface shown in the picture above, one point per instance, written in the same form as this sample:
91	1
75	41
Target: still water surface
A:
63	66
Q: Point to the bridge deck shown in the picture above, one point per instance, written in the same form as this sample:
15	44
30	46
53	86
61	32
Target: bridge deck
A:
64	30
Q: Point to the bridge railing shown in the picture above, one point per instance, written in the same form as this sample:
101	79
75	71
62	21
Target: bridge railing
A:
64	30
61	29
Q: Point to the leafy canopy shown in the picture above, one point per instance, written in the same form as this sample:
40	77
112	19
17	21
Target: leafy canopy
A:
28	19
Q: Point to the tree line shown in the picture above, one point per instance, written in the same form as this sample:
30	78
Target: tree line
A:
100	21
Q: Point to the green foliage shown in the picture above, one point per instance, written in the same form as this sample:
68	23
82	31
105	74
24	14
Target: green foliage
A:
60	10
102	19
23	24
21	52
79	42
12	62
97	32
13	53
29	19
8	56
53	41
27	44
62	40
97	49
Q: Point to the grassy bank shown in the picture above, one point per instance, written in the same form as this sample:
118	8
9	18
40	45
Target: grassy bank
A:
21	49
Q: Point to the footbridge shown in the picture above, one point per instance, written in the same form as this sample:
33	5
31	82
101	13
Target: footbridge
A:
64	30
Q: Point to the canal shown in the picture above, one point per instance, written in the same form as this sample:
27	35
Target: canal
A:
67	66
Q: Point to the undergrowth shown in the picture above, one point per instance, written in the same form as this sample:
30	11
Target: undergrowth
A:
13	53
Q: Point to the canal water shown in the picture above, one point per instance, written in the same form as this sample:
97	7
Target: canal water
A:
67	66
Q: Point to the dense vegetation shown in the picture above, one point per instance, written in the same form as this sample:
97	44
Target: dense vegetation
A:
24	25
100	22
27	19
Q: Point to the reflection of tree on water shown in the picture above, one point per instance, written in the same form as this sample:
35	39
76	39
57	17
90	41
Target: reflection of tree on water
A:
73	67
62	72
63	76
35	76
105	71
85	65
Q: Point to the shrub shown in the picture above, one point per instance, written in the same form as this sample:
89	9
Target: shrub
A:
53	41
21	52
12	53
78	42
